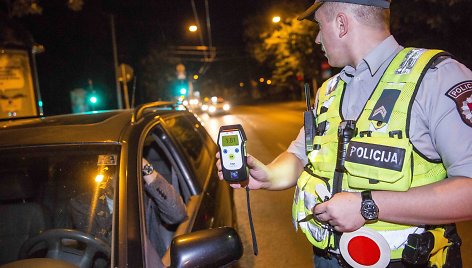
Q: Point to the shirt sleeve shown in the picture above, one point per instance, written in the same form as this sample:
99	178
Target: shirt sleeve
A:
449	134
297	147
169	204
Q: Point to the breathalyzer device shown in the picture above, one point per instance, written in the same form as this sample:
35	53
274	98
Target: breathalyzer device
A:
233	157
232	144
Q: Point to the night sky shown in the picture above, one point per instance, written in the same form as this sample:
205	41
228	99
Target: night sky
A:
78	45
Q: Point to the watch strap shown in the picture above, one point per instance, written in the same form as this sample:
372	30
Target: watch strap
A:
366	195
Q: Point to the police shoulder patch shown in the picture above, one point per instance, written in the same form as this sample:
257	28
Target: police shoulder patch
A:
461	94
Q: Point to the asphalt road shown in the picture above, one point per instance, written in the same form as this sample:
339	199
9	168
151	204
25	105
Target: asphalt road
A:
270	129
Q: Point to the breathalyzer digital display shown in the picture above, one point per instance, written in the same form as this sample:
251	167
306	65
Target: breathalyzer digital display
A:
230	140
232	145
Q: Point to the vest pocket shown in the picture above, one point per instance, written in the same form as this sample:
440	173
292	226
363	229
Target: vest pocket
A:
379	163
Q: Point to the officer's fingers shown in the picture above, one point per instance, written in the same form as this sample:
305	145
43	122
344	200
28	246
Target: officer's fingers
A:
319	208
220	174
217	155
218	165
251	161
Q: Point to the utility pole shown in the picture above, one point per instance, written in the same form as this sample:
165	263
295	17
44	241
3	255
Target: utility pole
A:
115	62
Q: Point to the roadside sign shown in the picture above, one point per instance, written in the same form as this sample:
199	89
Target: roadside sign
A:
17	95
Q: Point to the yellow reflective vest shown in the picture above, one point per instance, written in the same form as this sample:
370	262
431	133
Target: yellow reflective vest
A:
379	157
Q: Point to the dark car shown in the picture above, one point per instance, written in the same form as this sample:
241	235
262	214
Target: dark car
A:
46	162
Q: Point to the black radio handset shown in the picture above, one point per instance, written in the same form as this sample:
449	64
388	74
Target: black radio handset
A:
309	122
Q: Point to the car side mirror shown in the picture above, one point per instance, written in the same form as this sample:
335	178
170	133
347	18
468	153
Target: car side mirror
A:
212	247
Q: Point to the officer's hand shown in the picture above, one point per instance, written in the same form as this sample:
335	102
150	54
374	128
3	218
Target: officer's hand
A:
258	174
342	212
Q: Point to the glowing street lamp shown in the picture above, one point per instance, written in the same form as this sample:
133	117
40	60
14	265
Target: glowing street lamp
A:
276	19
193	28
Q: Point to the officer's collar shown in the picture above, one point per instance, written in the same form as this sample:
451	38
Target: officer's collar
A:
386	50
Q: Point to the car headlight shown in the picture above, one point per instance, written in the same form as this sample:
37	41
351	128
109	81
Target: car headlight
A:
212	109
204	107
226	107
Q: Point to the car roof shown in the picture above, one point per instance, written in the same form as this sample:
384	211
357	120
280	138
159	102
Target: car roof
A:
92	127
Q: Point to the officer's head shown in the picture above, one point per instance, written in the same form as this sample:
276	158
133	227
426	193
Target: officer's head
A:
347	26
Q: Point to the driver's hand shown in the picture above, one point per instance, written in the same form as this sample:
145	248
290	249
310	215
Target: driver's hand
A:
151	177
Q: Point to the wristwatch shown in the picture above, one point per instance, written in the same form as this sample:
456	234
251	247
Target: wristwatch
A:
369	209
148	169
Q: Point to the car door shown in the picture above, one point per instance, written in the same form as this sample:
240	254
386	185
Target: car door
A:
217	206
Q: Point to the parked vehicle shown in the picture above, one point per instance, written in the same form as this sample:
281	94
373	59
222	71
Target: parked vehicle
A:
45	162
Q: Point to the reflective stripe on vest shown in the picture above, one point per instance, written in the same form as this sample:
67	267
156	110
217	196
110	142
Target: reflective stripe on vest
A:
380	156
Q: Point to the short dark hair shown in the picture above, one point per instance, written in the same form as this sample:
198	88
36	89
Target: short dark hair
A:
367	15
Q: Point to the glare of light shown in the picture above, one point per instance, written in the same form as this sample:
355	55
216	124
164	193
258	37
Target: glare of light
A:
99	178
193	28
183	91
40	103
226	107
261	79
185	102
276	19
193	101
212	109
204	107
195	76
241	84
214	99
93	99
269	82
181	108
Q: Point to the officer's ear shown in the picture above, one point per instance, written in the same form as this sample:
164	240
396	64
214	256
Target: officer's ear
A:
342	24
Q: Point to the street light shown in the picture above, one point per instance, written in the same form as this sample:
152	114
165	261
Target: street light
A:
276	19
193	28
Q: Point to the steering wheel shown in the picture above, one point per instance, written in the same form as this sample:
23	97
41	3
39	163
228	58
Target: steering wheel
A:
55	250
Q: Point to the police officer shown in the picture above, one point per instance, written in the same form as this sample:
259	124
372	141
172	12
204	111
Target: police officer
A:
407	167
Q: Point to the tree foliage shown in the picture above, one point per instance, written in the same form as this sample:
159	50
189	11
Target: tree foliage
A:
288	48
158	71
21	8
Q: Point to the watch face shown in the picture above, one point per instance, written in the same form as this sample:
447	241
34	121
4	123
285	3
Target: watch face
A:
147	169
369	210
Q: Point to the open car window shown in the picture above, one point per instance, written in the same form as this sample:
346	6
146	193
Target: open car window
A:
68	189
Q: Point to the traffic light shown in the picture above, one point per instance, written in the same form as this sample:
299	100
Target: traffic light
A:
93	101
183	91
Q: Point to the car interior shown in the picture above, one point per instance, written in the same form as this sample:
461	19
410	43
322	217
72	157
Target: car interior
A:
22	217
35	200
156	154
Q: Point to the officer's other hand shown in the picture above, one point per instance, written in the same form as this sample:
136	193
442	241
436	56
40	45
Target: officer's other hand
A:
258	174
342	212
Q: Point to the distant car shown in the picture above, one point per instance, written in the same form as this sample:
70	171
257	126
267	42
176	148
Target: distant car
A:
193	104
216	106
47	161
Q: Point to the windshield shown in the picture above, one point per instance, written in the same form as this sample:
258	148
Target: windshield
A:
55	187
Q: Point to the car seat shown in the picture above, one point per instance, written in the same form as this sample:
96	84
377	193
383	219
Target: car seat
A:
21	218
